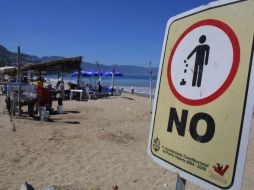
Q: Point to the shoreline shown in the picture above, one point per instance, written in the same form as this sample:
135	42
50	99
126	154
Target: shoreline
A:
139	94
126	89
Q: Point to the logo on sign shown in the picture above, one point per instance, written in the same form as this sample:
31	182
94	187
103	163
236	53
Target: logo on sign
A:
218	173
156	144
220	169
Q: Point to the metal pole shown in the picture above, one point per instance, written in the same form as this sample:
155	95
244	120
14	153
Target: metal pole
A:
62	85
79	73
97	64
113	82
150	72
180	183
62	72
19	79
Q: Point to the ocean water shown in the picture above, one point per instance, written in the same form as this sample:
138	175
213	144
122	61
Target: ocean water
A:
141	83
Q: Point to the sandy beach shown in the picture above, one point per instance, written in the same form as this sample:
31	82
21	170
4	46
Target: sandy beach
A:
96	144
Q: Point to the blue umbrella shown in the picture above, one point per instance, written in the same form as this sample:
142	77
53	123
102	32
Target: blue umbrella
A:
75	74
86	73
97	74
94	73
110	73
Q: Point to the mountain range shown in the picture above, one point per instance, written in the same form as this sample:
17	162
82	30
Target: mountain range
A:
8	58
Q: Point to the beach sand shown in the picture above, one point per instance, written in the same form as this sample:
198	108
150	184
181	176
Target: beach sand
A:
96	144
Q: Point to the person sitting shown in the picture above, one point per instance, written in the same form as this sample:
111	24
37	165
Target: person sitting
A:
24	80
99	87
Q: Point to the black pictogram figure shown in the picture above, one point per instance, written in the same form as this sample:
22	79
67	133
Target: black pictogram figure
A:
183	82
202	55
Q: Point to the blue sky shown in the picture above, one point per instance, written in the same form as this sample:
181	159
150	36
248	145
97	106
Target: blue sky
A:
123	32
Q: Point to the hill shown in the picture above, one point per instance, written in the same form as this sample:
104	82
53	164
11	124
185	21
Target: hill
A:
128	70
8	58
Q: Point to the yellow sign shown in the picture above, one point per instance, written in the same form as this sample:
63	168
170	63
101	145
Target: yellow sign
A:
202	113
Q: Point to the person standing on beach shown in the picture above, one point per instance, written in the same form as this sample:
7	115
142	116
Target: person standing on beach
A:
62	88
132	88
39	90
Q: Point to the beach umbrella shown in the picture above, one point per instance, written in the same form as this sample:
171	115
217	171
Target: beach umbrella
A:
89	74
110	73
94	73
85	73
75	74
97	74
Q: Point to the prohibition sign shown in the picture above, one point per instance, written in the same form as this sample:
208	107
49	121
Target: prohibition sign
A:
203	62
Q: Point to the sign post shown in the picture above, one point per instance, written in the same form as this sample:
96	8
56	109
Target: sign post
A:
203	105
150	84
180	183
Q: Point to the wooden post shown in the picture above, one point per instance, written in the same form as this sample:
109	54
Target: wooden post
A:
79	73
19	80
39	73
180	183
150	72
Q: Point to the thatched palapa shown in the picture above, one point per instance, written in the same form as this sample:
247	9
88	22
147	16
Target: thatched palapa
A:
63	65
8	71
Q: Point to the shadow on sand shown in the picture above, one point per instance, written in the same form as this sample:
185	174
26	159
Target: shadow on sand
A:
127	98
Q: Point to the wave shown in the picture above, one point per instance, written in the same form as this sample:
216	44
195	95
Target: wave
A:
138	90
